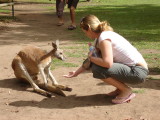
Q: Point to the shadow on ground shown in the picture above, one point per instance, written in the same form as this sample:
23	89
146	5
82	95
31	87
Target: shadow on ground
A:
68	102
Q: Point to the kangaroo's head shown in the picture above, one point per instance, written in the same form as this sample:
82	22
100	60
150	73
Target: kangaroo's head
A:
58	53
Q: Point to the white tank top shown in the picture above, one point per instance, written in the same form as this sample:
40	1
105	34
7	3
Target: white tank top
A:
123	51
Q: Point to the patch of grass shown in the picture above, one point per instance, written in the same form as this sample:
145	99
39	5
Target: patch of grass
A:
77	51
7	19
141	91
4	10
153	60
152	78
58	63
155	69
37	1
74	47
74	55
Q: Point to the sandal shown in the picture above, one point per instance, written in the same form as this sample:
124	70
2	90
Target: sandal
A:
120	100
71	27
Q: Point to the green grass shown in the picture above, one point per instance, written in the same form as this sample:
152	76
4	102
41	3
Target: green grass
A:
4	11
7	19
72	51
75	55
138	23
37	1
154	61
139	91
59	63
152	78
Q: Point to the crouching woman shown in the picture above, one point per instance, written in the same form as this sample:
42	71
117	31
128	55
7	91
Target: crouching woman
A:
120	62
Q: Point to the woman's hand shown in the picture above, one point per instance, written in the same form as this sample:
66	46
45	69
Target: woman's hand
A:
75	73
90	55
71	74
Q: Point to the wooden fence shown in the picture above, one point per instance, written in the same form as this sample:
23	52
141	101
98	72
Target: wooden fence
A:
4	3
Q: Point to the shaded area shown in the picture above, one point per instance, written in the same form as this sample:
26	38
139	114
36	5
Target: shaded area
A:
72	101
32	25
138	23
14	84
20	85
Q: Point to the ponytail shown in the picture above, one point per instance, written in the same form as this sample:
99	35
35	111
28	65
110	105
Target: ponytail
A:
104	26
93	22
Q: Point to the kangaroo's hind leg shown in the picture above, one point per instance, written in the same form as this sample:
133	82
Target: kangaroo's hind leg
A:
26	75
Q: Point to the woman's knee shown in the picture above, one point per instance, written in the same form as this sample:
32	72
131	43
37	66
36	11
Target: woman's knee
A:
140	80
140	75
135	80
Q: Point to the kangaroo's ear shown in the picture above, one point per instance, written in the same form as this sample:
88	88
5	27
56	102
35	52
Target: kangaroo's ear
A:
57	43
54	45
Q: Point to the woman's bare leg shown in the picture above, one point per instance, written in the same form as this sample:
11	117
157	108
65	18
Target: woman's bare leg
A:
72	16
123	88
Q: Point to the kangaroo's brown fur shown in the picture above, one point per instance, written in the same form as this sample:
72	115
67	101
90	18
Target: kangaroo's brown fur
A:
31	61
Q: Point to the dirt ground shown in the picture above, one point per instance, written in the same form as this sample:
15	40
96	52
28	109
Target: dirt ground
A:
87	101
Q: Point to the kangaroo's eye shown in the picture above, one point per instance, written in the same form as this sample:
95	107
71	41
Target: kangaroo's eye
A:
60	53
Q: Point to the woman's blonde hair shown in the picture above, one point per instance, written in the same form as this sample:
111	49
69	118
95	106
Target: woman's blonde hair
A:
91	21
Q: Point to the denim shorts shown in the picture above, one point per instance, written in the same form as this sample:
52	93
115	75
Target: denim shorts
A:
121	72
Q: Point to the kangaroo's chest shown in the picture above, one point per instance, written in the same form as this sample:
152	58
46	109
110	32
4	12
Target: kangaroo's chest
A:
46	63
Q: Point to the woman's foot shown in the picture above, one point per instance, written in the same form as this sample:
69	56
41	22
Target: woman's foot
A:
120	100
114	93
124	96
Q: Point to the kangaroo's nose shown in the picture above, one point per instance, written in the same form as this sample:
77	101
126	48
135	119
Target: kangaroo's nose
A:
64	57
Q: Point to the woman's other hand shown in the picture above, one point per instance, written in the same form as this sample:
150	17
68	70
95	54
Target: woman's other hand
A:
70	75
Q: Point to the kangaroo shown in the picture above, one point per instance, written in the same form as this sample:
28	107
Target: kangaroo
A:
31	61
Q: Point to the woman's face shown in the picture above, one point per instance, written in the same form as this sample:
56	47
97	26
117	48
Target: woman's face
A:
89	33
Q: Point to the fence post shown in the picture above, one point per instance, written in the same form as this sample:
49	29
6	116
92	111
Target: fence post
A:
12	9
